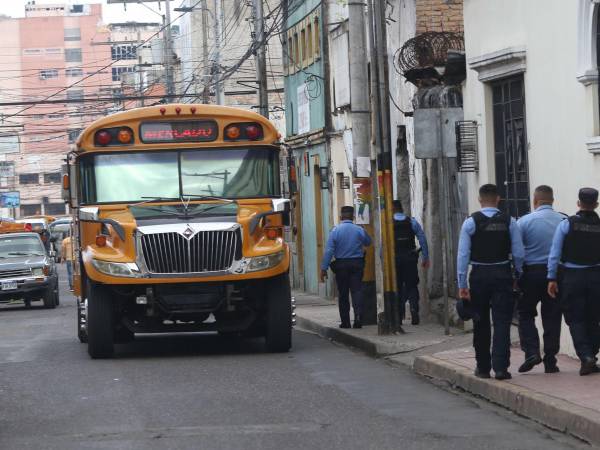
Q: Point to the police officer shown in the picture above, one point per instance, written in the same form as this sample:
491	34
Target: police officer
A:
407	257
537	231
576	246
487	239
346	243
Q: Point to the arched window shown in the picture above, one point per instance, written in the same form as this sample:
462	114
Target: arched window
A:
587	45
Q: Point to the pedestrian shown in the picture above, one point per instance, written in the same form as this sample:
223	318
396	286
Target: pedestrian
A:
406	229
67	257
346	244
537	230
487	240
576	247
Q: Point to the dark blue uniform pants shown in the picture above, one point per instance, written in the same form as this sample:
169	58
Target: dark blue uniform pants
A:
348	276
534	285
580	300
491	291
407	280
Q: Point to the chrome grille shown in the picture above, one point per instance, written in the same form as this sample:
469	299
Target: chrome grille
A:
17	273
206	251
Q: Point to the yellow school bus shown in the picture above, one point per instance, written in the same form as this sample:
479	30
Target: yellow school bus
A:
178	226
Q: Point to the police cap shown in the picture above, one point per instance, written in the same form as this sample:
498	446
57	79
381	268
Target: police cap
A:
465	310
588	196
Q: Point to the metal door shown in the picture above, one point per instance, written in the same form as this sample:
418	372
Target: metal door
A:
510	145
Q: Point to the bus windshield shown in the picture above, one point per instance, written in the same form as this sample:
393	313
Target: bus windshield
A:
137	176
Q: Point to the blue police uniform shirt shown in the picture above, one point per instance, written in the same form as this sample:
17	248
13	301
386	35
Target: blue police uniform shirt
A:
419	233
464	247
537	231
346	240
556	251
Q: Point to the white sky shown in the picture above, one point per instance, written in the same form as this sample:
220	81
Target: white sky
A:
112	13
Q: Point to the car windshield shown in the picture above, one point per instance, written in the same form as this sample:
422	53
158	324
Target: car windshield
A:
135	177
20	246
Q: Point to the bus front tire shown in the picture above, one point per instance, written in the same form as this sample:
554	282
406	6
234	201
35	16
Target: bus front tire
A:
100	322
279	315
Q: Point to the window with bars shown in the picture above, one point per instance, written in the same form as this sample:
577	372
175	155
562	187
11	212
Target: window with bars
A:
118	71
31	210
55	209
73	135
127	51
29	178
74	72
72	54
72	34
74	94
53	177
47	74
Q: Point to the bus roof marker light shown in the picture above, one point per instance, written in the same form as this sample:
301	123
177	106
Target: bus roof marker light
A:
178	110
103	137
252	132
163	111
193	109
233	132
125	136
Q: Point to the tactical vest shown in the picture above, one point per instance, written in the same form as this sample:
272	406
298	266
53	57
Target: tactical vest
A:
491	242
582	242
404	236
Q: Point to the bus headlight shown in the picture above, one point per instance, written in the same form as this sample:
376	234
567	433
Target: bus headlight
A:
116	269
265	262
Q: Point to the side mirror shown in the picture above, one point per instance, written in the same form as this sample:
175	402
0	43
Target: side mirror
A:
52	254
53	239
66	187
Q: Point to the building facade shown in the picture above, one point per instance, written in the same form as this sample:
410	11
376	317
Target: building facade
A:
519	67
306	136
202	60
52	52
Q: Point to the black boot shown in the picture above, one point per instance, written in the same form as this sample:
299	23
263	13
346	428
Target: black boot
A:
415	318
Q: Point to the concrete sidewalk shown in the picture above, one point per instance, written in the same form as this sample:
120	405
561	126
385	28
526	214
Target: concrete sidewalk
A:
563	401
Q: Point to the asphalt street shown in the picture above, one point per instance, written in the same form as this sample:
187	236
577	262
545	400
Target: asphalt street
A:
206	392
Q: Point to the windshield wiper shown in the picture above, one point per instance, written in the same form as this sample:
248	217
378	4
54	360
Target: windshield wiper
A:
157	199
20	254
209	197
204	210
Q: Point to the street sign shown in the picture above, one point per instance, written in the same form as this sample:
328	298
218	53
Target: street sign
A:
10	199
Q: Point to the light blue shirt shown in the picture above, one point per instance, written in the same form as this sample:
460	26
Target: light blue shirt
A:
346	240
419	233
537	231
464	247
556	251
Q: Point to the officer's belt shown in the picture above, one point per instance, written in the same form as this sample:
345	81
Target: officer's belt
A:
535	268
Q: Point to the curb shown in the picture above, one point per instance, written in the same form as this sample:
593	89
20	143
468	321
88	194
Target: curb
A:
338	335
551	412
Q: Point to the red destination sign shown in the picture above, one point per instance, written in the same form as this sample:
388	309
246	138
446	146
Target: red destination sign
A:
181	131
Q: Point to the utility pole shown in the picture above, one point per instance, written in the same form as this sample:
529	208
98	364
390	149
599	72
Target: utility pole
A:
206	78
168	52
261	58
218	37
140	61
362	170
389	314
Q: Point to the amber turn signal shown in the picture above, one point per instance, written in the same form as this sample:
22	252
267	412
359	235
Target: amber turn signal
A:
124	136
233	132
272	233
101	240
